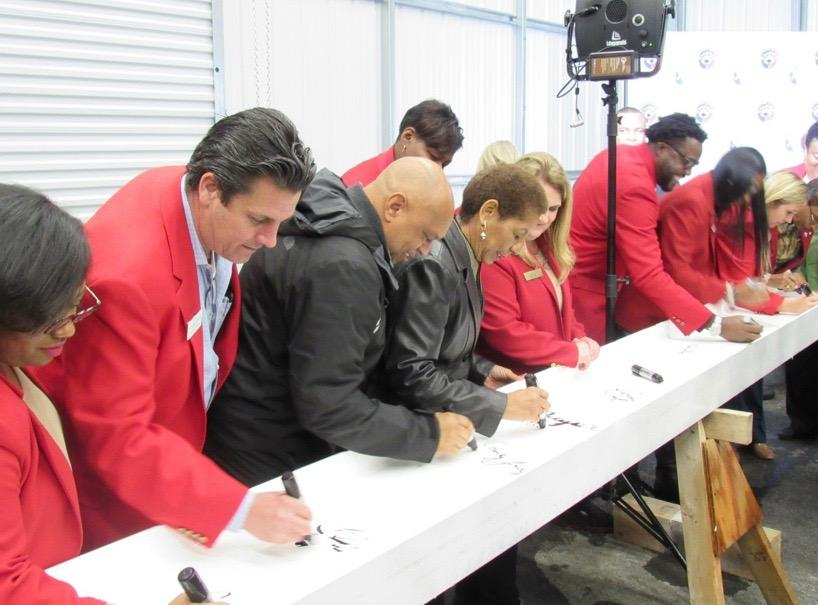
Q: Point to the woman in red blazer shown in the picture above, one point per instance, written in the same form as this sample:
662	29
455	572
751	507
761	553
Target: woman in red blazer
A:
45	260
529	321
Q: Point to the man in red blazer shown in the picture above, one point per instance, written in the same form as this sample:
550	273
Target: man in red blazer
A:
673	149
428	130
134	385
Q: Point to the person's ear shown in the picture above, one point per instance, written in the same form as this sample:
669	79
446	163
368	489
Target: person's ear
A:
395	204
408	135
489	210
208	191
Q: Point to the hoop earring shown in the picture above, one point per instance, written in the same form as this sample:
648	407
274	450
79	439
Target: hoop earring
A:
483	233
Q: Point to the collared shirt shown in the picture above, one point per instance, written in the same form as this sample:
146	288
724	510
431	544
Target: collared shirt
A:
214	279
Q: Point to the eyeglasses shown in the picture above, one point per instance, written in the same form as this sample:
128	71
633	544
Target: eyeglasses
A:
77	317
690	163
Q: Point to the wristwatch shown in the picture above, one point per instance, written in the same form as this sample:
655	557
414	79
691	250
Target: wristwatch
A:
715	326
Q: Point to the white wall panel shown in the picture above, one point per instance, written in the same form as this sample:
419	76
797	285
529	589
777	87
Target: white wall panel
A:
466	63
549	10
548	118
812	15
738	15
501	6
319	62
96	91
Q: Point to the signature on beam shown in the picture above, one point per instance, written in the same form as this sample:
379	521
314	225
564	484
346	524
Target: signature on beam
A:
554	421
338	539
494	455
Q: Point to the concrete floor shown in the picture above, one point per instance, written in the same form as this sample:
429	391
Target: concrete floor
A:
566	567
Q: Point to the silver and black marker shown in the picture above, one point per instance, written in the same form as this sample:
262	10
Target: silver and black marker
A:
193	586
646	374
531	381
291	487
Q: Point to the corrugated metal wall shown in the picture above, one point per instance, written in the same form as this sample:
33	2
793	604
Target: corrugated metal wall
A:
95	91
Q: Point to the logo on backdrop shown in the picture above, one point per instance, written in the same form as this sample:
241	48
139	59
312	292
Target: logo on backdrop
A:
649	112
766	112
707	58
703	112
769	57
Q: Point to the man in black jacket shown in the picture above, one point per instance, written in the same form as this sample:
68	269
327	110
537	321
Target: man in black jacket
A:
313	330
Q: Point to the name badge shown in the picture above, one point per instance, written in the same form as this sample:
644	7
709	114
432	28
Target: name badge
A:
533	274
194	324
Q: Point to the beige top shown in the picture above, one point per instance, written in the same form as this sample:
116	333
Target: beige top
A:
39	403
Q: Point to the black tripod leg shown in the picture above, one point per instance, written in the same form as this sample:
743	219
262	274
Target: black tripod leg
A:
656	529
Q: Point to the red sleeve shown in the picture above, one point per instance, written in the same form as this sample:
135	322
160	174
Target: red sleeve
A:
686	240
22	582
577	330
111	401
505	331
638	249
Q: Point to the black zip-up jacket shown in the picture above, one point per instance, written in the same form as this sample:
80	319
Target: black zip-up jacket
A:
312	336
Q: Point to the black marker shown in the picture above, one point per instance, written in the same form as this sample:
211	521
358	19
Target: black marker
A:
291	487
646	374
531	381
193	586
473	444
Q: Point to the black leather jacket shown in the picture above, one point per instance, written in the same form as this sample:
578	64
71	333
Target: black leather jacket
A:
313	330
434	321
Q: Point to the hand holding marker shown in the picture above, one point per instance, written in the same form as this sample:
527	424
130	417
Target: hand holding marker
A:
291	487
531	381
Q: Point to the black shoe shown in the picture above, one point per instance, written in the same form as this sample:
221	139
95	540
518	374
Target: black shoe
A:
790	434
666	485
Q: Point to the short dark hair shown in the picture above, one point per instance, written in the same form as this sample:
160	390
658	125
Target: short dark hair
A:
812	191
435	124
676	126
258	142
517	191
733	177
812	134
45	259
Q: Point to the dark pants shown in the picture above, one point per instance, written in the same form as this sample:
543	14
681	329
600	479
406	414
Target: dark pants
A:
493	584
802	390
751	400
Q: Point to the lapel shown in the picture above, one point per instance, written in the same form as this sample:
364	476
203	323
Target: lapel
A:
546	282
184	270
51	454
456	243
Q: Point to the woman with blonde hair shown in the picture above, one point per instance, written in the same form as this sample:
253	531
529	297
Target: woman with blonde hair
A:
498	152
529	321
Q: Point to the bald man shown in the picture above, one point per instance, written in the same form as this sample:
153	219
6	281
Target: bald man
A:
313	330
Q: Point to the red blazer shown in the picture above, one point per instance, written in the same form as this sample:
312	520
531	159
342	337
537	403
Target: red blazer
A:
130	380
368	170
637	246
687	225
523	327
39	513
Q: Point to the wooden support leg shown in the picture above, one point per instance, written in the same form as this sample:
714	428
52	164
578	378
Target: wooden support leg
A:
703	566
767	568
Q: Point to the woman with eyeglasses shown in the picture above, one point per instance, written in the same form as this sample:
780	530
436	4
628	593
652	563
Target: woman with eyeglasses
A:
44	257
